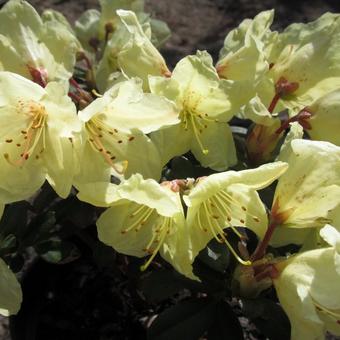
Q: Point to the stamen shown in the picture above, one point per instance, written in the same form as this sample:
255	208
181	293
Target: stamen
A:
231	200
31	136
94	91
97	136
205	151
200	224
325	310
225	212
164	231
220	236
143	214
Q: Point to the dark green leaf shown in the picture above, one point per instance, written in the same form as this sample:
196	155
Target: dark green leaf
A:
104	256
7	244
226	325
268	317
216	256
188	320
45	198
181	167
14	219
57	251
81	214
16	262
41	228
161	284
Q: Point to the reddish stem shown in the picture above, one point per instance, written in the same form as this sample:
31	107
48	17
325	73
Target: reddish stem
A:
74	83
274	102
301	117
75	98
284	126
262	247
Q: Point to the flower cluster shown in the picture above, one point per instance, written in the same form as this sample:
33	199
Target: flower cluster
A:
108	107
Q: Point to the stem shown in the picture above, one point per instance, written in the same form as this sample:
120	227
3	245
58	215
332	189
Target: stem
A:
75	98
301	117
284	126
273	102
74	83
261	248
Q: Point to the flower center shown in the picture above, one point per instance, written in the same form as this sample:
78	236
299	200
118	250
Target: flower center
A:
107	141
216	213
192	119
28	139
161	228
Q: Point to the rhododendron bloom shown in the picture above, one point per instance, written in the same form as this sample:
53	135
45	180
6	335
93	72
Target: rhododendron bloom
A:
228	199
310	188
115	128
130	51
37	131
244	47
307	286
287	70
143	218
33	48
10	291
305	61
109	16
205	108
324	122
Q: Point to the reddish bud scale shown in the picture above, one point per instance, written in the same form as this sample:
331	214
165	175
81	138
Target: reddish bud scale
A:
283	87
39	75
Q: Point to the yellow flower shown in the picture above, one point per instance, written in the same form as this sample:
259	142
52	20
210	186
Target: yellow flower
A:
204	109
226	200
308	288
38	136
144	218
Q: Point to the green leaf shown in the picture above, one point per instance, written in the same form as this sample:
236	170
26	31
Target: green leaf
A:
57	251
45	198
210	267
162	284
226	325
268	317
14	219
41	228
181	167
187	320
216	256
7	244
81	214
